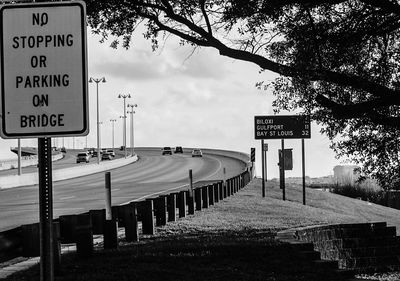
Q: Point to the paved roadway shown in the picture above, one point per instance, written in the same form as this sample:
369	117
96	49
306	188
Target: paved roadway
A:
151	175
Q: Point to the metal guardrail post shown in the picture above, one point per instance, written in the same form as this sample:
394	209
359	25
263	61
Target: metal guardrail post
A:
160	210
216	192
148	217
171	206
198	198
98	217
204	194
131	222
182	204
84	236
210	195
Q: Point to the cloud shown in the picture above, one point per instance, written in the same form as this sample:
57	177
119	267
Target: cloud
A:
141	65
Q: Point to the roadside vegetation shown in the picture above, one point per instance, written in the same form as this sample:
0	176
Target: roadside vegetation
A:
232	240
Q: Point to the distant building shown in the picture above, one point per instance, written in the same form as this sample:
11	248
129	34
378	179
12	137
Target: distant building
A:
346	174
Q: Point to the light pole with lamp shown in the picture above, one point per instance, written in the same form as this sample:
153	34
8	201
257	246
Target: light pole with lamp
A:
124	134
124	97
112	123
97	81
132	112
100	123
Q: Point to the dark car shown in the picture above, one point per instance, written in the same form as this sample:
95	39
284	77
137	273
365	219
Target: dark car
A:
106	156
82	157
91	151
178	149
167	150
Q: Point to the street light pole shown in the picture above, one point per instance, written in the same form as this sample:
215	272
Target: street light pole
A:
97	81
132	112
124	137
112	123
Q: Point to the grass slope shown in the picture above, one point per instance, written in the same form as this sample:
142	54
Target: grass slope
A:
232	240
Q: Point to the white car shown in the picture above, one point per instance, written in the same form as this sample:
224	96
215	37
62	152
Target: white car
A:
197	153
110	151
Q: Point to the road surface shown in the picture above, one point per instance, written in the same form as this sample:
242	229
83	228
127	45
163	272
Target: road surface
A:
153	174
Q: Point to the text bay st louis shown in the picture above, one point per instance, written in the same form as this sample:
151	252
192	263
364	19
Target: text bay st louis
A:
34	81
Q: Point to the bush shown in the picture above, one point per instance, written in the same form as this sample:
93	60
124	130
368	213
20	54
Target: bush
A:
376	196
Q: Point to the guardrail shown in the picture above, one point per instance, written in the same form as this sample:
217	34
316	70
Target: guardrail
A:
137	217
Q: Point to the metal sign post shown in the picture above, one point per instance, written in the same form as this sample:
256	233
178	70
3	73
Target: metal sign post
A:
43	76
252	159
265	150
46	210
303	164
282	167
263	168
282	127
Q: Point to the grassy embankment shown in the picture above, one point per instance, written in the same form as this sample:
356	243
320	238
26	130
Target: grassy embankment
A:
232	240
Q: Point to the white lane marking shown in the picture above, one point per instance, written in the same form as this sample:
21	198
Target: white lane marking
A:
115	189
173	188
66	198
219	168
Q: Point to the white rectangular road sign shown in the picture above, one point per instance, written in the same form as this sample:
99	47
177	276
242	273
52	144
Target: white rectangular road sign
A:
43	70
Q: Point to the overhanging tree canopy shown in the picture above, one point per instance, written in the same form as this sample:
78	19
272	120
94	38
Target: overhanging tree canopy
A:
338	60
349	44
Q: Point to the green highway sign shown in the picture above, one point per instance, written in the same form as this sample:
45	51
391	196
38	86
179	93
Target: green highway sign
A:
282	127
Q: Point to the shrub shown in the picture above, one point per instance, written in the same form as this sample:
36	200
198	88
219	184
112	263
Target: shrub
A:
365	193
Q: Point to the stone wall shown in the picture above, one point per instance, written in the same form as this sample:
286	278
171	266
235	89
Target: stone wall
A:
365	247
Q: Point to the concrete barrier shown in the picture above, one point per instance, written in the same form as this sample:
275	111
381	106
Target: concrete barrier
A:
67	173
26	161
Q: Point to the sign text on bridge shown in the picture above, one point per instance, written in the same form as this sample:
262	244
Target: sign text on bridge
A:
43	70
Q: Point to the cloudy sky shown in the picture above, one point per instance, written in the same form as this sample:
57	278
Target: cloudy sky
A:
198	99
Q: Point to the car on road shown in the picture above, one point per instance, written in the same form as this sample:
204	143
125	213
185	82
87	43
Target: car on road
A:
63	150
197	153
106	156
178	149
82	157
167	150
110	151
91	151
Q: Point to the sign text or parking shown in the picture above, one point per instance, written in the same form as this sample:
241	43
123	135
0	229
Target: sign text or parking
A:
282	127
43	69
